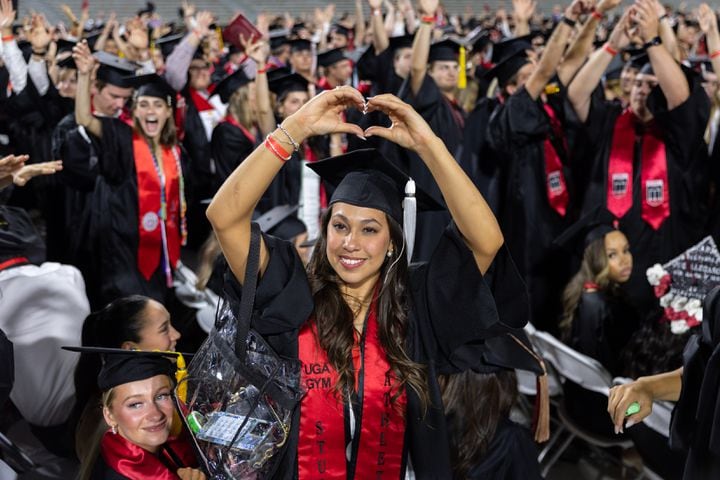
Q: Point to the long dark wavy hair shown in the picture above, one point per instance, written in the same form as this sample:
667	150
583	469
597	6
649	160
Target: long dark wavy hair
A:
594	268
334	318
474	405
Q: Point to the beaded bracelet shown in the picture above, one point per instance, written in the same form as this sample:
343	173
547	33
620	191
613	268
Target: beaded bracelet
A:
295	144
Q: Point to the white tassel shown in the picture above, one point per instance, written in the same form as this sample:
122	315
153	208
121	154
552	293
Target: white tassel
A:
409	217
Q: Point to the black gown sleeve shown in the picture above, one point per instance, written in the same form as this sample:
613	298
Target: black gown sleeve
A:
520	121
428	99
115	154
589	335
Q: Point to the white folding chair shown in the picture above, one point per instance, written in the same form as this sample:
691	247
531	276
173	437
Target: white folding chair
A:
586	372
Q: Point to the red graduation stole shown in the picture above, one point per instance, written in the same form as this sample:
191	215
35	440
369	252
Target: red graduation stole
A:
555	184
653	171
321	445
136	463
161	208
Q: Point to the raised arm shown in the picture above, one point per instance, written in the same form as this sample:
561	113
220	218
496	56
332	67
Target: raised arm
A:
359	24
83	112
231	210
644	390
379	34
670	76
667	34
421	45
709	26
554	50
468	208
109	26
259	52
178	62
587	79
523	11
582	45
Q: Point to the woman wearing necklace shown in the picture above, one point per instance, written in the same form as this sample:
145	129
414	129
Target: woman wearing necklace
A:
372	333
137	217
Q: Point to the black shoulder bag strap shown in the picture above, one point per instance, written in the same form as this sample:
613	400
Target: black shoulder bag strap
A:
248	293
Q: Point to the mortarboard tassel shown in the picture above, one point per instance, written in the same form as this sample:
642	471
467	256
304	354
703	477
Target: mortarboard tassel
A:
542	409
221	42
462	73
409	217
181	392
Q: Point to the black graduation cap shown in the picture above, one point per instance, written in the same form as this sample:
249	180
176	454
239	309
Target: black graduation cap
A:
403	41
228	85
613	73
290	82
508	67
300	44
342	30
65	45
297	27
153	85
280	222
444	50
278	38
91	39
115	70
510	47
168	43
120	366
365	178
18	237
638	61
481	41
331	57
586	230
67	62
149	9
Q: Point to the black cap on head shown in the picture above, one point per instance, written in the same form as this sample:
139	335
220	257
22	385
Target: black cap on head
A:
510	47
508	67
92	38
297	27
67	62
481	41
121	366
300	44
65	45
153	85
115	70
281	85
228	85
278	38
403	41
331	57
637	61
444	50
340	29
589	228
647	69
18	237
168	43
281	222
364	178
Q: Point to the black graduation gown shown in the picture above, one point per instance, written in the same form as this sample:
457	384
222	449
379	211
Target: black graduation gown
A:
113	221
512	455
452	306
696	417
516	131
601	328
438	113
688	174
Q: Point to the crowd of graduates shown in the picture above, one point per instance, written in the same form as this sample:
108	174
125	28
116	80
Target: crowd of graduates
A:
590	131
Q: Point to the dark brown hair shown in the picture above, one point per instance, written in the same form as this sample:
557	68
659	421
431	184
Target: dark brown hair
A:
334	318
474	405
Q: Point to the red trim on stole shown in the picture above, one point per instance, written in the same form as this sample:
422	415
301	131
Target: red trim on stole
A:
321	444
655	193
136	463
555	184
12	262
149	205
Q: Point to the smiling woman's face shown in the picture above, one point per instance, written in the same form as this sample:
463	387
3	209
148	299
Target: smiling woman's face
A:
142	411
358	240
151	114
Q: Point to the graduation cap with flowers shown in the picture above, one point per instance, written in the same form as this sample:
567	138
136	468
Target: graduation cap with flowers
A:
682	283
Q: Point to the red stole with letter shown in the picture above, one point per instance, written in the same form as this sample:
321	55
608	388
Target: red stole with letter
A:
136	463
655	193
381	428
161	208
555	184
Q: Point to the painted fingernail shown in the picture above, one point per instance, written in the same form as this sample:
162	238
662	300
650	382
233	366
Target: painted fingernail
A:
361	137
629	423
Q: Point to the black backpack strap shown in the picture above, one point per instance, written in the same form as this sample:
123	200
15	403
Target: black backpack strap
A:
248	293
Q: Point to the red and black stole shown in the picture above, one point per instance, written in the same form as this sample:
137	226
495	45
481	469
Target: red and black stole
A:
322	442
161	208
655	194
136	463
231	120
555	184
